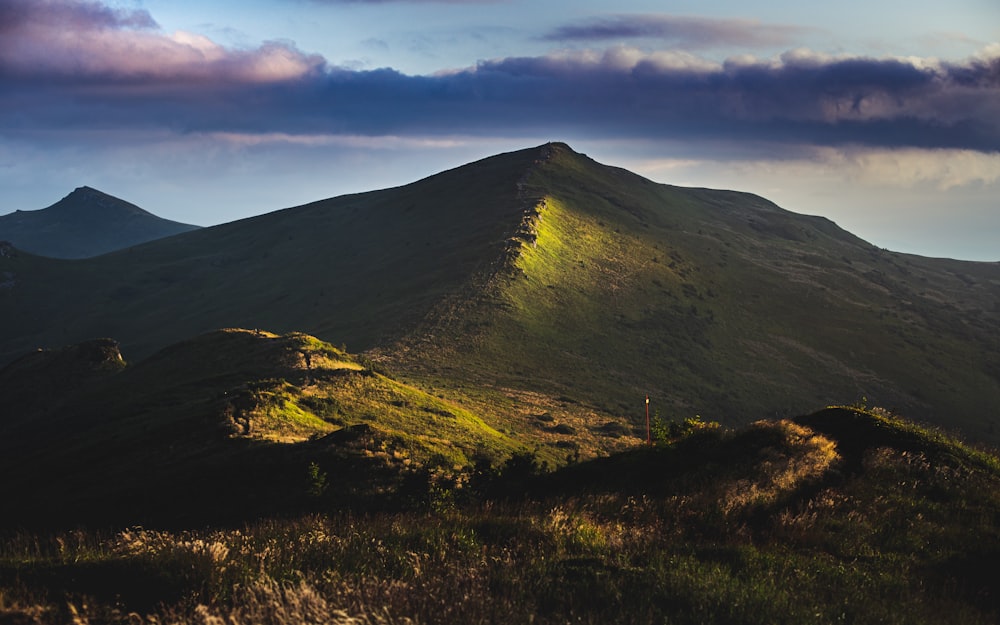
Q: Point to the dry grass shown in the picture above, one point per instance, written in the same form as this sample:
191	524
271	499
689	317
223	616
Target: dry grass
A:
803	456
746	527
268	602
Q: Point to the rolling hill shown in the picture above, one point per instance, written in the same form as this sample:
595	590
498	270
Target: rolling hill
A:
85	223
541	283
222	425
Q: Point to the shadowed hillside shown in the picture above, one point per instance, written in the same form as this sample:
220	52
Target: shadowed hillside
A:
85	223
541	284
355	270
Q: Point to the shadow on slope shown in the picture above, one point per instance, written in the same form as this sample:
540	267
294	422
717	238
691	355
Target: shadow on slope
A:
225	426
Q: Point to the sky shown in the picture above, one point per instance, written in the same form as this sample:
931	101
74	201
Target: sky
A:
882	115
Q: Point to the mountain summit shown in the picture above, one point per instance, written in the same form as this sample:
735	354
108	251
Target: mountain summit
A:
85	223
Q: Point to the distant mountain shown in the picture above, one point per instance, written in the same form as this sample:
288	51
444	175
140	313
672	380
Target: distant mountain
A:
549	293
85	223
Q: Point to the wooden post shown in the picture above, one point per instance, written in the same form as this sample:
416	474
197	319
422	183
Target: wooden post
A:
649	436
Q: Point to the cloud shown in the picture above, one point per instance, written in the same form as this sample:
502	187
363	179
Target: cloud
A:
383	142
685	32
89	43
80	15
942	170
115	72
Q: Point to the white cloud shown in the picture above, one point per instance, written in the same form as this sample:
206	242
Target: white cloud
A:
931	202
903	168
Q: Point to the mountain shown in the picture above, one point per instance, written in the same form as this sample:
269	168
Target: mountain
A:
85	223
541	284
512	312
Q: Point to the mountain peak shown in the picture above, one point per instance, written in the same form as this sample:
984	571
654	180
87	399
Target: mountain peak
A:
86	191
558	145
87	222
89	199
557	148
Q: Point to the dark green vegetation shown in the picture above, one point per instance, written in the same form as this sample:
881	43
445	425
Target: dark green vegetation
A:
478	456
85	223
797	521
538	276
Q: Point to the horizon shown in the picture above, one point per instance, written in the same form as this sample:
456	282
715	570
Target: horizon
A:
203	113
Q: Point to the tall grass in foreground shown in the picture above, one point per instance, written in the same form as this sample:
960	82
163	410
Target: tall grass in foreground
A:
775	535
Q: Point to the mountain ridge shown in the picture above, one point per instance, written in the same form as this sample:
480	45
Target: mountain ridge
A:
541	274
700	295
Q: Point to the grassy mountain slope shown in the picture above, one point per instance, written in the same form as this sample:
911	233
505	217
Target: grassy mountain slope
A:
525	302
544	284
222	424
85	223
723	304
357	269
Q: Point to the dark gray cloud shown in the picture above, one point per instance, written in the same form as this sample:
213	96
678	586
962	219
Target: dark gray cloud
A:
190	85
686	32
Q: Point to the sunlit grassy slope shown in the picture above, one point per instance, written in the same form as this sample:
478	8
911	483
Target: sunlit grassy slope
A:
722	304
545	288
214	419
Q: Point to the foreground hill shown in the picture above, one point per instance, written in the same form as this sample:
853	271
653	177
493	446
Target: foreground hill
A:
85	223
221	426
842	516
541	281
